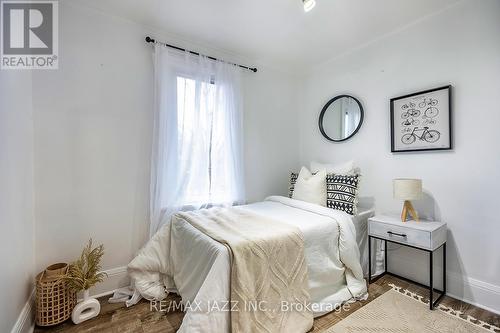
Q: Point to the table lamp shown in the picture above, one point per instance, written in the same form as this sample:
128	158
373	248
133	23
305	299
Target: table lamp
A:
408	189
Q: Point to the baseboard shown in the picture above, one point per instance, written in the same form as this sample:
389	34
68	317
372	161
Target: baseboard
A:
473	291
476	292
26	321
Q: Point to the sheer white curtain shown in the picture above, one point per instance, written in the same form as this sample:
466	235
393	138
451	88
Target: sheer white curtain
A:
197	148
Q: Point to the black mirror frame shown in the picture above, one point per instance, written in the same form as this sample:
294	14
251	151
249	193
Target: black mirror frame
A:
322	114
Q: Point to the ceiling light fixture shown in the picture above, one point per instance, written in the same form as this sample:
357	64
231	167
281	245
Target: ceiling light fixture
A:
308	4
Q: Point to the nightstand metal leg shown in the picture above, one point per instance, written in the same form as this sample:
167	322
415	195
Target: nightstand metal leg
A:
431	287
444	268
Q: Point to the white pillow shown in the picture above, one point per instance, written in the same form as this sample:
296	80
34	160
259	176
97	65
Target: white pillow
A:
346	168
311	188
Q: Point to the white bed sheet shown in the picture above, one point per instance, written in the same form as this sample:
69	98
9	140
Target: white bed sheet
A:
200	266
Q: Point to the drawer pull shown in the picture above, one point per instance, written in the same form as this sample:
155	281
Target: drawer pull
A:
396	234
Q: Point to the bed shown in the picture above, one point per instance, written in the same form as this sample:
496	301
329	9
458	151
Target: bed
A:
183	260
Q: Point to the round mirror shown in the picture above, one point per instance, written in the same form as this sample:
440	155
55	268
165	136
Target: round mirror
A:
341	118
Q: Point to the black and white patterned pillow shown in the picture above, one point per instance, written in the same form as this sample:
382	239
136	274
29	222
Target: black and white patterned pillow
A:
293	180
342	192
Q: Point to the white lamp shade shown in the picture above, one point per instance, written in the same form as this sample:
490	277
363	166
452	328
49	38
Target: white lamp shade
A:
407	189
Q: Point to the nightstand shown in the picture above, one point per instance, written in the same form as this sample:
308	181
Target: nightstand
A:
427	236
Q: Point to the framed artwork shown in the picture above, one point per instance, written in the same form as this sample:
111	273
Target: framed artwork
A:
421	121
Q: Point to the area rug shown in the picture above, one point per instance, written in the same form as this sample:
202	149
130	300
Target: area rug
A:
399	310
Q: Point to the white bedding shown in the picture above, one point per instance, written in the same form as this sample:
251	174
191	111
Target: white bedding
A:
198	268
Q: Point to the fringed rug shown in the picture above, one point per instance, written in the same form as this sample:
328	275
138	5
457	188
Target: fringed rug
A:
400	310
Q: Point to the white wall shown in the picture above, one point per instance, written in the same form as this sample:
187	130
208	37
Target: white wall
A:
92	135
459	46
16	196
93	120
271	128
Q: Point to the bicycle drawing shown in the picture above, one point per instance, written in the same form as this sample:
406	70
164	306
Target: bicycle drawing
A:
410	121
431	112
429	121
408	105
414	113
428	102
430	136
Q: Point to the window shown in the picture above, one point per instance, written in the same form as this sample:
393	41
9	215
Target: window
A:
197	148
202	150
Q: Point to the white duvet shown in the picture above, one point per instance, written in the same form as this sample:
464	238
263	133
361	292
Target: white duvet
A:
186	261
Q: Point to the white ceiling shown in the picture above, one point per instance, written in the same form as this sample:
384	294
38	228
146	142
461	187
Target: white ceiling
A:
275	32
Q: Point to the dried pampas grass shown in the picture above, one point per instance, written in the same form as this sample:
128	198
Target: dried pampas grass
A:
86	271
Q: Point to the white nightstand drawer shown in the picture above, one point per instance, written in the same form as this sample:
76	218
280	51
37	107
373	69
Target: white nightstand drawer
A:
426	235
411	236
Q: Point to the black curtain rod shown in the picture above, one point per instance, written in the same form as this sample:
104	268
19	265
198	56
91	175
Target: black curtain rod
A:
151	40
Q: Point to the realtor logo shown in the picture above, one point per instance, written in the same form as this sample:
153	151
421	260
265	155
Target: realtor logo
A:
29	33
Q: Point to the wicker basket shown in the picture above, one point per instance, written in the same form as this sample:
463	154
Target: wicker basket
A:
54	300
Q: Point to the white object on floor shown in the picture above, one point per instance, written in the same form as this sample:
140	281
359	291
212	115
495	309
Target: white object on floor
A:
136	297
86	309
121	295
201	266
311	188
126	295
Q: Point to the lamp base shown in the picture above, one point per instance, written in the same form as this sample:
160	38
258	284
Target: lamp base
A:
408	210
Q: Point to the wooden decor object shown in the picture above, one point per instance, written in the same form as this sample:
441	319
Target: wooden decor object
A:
54	300
56	269
408	210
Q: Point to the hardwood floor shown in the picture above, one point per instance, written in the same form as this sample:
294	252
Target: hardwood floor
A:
139	318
